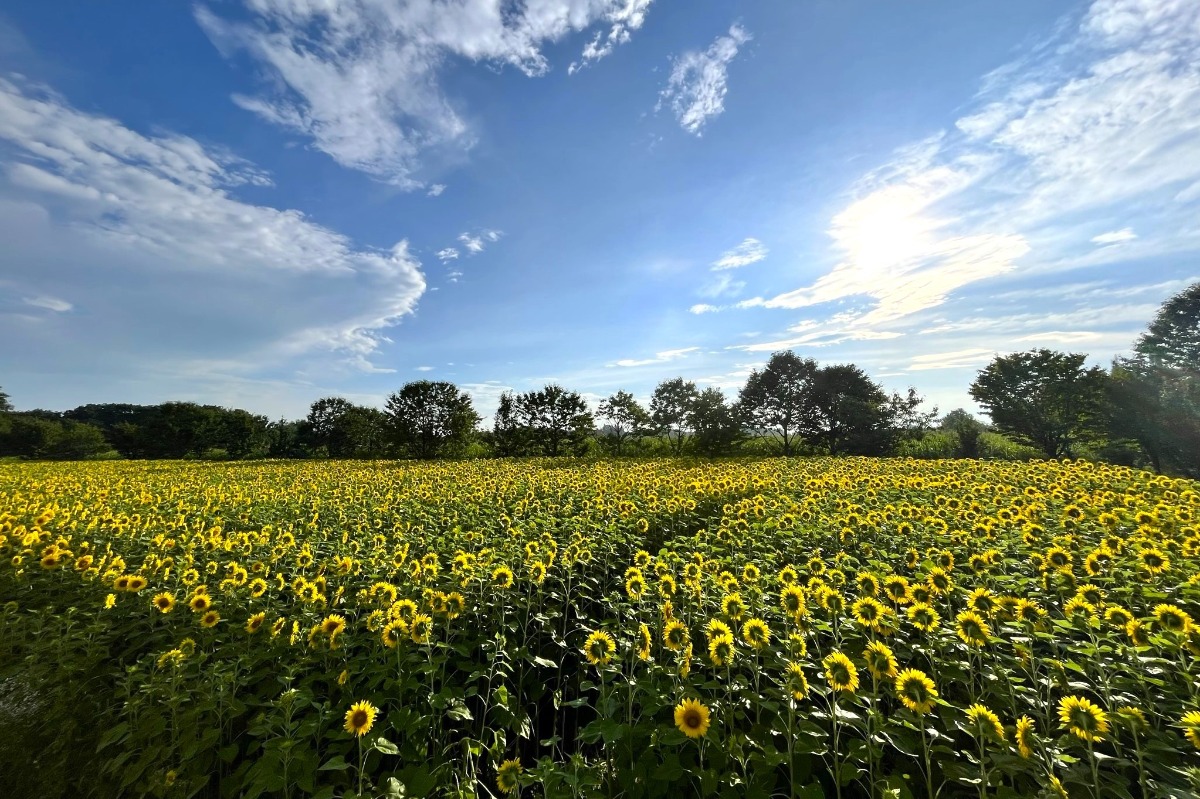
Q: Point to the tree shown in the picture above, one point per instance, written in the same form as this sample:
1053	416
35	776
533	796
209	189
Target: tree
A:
1154	396
715	426
508	436
627	420
1043	398
778	398
848	414
967	431
5	404
670	409
555	421
429	418
338	428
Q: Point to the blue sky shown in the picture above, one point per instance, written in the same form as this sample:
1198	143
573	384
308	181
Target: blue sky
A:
258	203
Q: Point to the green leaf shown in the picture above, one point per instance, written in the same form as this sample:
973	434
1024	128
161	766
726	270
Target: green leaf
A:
335	763
386	747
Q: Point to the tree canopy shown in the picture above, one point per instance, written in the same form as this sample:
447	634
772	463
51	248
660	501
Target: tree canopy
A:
429	419
1045	398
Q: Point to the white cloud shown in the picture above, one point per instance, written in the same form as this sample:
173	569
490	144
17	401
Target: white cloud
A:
436	190
49	303
424	368
750	251
89	190
447	254
659	357
722	285
362	78
1114	237
624	18
476	242
700	308
1100	121
696	88
951	360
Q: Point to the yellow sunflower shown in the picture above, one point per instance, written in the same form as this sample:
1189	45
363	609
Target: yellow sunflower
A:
756	633
916	691
880	660
360	718
508	776
1024	736
840	672
984	722
692	718
1082	718
599	648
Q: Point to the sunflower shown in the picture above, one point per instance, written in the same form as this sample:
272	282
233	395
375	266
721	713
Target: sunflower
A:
1137	633
1133	718
420	629
924	617
392	632
972	629
795	681
880	660
1082	718
1191	726
255	622
733	606
599	648
756	633
508	776
635	586
717	629
360	718
840	673
164	602
915	690
867	611
692	718
199	603
939	580
403	609
210	619
675	635
984	722
1118	616
1155	560
1091	594
455	604
791	599
502	577
721	650
981	600
644	642
1028	611
333	625
896	588
1172	619
1023	735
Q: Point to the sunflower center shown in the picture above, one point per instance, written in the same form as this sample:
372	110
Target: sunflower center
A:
359	719
692	719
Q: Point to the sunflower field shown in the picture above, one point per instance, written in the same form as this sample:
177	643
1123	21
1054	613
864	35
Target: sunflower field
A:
756	628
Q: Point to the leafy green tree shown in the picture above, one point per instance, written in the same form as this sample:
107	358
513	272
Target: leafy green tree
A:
627	421
1154	396
338	428
5	404
429	419
671	408
716	428
508	435
1044	398
966	430
555	421
778	398
848	414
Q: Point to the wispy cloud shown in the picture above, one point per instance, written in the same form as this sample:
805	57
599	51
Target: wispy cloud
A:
436	190
49	303
696	88
750	251
447	254
362	79
659	357
1114	237
476	242
623	18
951	360
700	308
1104	117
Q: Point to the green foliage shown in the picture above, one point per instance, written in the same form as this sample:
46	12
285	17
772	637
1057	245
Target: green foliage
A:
716	428
550	422
1043	398
627	422
431	419
671	408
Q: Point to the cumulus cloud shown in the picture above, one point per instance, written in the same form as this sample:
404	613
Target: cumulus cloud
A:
696	88
150	229
361	78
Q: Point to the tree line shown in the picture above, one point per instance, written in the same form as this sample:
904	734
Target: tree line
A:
1144	411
